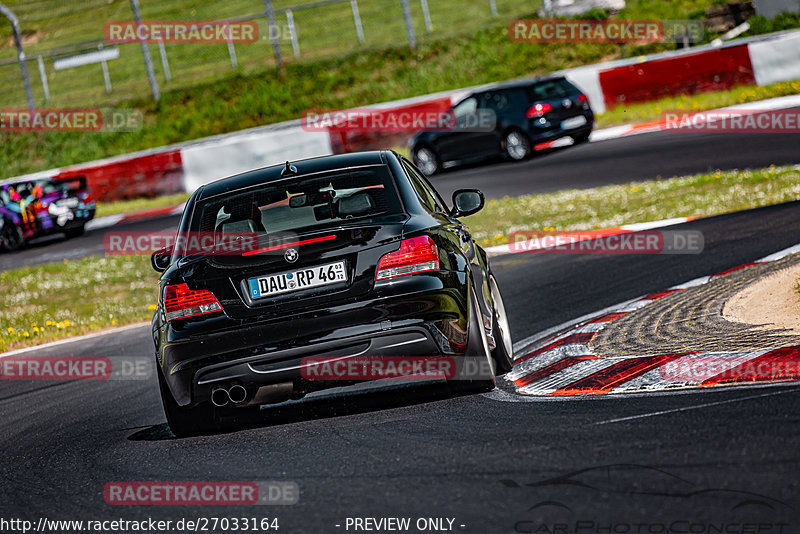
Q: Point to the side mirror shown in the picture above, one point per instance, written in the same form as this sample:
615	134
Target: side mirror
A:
161	259
466	202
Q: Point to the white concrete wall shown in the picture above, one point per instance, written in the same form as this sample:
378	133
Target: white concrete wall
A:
777	60
237	153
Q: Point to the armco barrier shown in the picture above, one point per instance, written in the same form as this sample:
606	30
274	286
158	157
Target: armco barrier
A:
344	140
206	161
711	70
150	175
776	60
758	60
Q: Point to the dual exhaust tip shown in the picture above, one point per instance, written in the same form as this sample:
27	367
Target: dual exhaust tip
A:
236	394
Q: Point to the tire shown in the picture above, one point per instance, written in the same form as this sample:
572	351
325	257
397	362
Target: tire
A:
477	352
517	145
427	160
75	232
185	422
11	237
503	352
582	138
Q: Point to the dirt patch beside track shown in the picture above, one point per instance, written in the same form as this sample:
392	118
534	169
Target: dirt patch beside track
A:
693	319
772	302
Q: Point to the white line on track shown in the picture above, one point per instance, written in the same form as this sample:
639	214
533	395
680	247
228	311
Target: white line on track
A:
695	407
68	340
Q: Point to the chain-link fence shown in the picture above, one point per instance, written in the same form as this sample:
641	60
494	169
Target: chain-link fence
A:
71	63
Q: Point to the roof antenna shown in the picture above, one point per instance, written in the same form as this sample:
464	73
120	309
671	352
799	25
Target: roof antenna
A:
289	170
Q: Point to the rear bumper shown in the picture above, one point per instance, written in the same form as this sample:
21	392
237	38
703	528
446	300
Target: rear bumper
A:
432	321
539	136
281	375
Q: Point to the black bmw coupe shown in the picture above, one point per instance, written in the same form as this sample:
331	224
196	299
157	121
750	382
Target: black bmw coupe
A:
350	258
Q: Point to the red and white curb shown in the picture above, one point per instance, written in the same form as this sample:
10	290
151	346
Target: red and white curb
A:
698	119
543	244
113	220
565	365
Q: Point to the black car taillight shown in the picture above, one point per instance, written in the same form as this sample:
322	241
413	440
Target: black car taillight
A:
181	302
416	255
538	110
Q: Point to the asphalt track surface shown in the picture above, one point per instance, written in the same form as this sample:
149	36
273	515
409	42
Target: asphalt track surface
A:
616	161
672	462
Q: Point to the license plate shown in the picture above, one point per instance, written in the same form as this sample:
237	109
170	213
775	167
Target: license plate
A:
573	122
276	284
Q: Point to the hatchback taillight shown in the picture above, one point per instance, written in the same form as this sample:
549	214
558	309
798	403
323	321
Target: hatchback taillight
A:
583	98
416	255
538	110
181	302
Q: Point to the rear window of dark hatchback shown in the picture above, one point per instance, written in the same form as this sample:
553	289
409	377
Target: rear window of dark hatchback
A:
550	90
302	203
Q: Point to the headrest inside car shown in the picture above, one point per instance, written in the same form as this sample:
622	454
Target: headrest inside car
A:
356	205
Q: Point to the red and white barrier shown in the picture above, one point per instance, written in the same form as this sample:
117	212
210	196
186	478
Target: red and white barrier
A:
566	364
226	155
757	61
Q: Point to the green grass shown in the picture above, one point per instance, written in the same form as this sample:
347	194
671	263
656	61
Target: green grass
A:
449	59
651	111
323	31
615	205
57	300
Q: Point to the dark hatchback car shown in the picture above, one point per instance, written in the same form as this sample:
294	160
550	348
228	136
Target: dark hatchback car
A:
35	208
355	255
527	113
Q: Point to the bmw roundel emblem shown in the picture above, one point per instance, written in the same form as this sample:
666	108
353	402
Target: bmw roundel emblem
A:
291	255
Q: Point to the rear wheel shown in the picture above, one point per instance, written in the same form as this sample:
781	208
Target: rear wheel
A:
503	352
11	237
582	138
478	372
426	160
518	146
182	421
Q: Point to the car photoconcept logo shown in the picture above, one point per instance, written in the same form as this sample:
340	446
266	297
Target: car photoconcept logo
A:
291	255
567	103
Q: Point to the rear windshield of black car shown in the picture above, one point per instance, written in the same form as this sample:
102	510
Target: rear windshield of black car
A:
301	204
550	90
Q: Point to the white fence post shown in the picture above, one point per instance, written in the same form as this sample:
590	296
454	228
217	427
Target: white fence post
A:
43	76
357	21
292	32
426	14
164	61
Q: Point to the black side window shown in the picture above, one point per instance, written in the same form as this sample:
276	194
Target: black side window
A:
496	101
429	199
